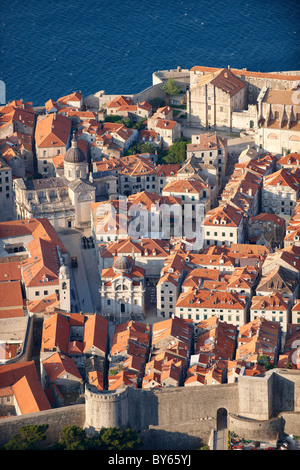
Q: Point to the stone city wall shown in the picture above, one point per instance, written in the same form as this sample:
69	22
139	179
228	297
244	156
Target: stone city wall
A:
55	418
257	408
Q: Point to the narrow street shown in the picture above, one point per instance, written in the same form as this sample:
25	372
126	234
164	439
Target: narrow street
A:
220	440
85	280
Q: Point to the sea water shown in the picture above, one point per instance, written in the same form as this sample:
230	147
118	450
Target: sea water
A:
49	48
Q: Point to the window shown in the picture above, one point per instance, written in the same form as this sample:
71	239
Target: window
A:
37	293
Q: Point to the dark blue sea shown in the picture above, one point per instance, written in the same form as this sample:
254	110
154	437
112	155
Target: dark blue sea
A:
49	48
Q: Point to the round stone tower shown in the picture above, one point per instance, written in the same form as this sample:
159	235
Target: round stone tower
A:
105	409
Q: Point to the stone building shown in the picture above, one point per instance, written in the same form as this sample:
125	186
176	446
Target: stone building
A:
280	193
280	280
122	290
210	149
16	117
6	200
255	81
64	200
169	285
273	307
267	229
195	199
223	225
163	124
245	117
213	97
200	304
52	137
279	120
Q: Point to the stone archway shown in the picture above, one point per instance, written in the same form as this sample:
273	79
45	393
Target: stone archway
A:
221	419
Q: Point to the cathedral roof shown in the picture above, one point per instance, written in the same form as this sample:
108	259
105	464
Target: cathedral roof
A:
74	154
122	264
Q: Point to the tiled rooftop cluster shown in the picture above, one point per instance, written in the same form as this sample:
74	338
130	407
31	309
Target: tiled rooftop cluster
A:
226	309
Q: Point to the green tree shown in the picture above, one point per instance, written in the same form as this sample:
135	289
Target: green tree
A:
119	439
264	361
140	125
171	88
157	103
177	152
140	147
73	438
28	438
118	119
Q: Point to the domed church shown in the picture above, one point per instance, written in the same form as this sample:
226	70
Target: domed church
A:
65	199
123	290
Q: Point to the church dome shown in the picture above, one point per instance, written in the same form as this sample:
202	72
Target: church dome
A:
122	264
74	154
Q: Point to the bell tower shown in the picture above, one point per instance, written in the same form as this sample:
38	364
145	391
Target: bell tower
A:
64	289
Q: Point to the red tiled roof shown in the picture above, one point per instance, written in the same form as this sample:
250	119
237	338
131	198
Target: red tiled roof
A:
52	131
281	177
208	141
30	396
75	96
290	159
223	79
266	216
11	373
95	333
10	271
119	101
56	333
273	301
185	186
224	213
199	298
58	364
248	73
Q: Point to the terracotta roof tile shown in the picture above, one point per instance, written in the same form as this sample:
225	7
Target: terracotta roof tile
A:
30	396
52	131
95	333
